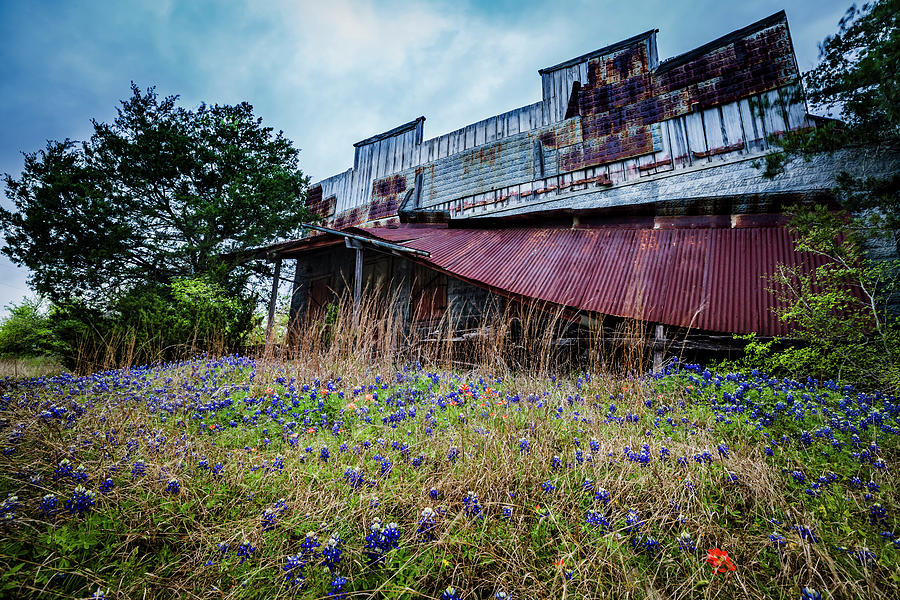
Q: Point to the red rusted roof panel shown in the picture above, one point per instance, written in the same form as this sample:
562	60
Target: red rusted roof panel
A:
708	279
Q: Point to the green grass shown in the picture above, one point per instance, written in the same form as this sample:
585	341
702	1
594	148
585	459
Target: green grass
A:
140	540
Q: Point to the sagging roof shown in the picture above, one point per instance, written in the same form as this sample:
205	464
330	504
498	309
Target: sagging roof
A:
711	279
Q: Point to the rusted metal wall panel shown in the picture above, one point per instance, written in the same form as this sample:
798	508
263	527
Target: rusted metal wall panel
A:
635	119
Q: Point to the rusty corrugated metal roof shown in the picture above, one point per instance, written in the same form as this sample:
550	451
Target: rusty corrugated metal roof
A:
712	279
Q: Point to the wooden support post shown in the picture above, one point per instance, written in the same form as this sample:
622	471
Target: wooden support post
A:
659	342
357	280
270	324
357	275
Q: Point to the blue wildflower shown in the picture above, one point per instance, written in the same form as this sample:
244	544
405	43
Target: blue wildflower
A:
49	504
450	594
293	571
8	507
809	593
107	485
245	550
81	501
471	506
331	552
138	469
337	588
426	524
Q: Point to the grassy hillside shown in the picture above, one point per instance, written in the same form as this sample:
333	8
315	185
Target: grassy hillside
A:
243	479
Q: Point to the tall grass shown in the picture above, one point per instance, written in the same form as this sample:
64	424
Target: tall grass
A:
513	337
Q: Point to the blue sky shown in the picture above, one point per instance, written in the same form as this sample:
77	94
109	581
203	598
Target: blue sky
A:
327	73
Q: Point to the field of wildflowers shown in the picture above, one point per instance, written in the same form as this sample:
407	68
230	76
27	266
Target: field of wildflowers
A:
238	478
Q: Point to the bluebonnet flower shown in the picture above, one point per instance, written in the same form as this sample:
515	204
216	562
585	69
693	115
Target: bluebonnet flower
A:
685	542
501	595
798	476
64	469
173	487
354	477
595	445
433	493
664	453
603	496
732	477
805	533
293	571
269	519
555	463
524	446
471	506
548	486
651	545
587	485
426	524
633	523
777	539
106	485
203	463
278	463
864	556
809	593
452	454
8	507
81	501
245	550
877	513
309	545
450	594
49	504
218	469
138	469
723	449
324	454
597	520
506	513
331	552
381	540
80	474
337	584
385	467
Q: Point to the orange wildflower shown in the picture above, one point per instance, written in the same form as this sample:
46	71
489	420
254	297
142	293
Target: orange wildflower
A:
719	560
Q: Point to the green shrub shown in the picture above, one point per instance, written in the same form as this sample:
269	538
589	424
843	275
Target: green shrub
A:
27	332
155	322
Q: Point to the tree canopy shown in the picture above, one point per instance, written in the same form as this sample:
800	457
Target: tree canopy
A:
159	193
857	85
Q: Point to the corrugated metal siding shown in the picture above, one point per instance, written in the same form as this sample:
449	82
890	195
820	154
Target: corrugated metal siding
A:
706	279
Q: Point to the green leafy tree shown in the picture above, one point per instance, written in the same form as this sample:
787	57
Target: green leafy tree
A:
27	331
159	193
857	81
846	309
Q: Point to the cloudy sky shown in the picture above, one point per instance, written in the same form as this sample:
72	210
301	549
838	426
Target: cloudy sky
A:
330	72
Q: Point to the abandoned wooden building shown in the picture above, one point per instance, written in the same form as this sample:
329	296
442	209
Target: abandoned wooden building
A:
632	189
